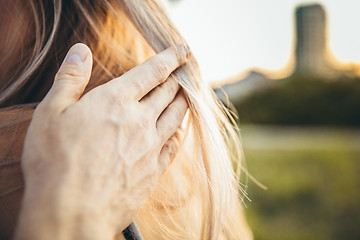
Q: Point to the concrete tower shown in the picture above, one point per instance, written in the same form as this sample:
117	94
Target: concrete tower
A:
311	40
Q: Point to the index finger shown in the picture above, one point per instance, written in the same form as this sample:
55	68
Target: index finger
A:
140	80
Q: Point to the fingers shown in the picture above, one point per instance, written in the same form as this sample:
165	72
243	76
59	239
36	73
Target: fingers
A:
161	96
142	79
170	149
71	79
170	120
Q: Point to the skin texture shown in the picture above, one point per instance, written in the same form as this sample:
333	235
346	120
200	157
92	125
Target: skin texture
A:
90	162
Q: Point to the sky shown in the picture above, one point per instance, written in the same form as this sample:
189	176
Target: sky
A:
229	37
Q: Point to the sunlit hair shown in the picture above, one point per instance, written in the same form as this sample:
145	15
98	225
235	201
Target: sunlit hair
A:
199	196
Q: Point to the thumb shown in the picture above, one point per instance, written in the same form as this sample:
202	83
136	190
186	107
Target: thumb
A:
71	78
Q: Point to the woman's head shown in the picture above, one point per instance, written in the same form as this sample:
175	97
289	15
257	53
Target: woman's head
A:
39	34
198	196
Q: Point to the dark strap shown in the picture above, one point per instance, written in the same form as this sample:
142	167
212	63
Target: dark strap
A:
132	232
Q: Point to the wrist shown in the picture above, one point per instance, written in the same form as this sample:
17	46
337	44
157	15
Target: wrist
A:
47	217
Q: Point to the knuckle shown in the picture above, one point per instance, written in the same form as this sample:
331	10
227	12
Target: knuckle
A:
174	86
171	149
172	146
177	114
117	98
70	73
161	71
143	123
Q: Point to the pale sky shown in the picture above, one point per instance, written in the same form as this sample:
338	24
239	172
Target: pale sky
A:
229	37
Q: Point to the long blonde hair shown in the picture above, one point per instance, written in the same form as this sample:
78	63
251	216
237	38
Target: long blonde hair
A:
198	196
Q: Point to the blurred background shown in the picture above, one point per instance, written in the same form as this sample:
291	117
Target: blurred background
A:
291	69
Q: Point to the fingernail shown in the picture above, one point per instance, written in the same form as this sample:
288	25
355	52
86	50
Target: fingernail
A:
77	53
73	57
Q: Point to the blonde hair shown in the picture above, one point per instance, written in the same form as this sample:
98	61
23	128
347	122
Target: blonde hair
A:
198	196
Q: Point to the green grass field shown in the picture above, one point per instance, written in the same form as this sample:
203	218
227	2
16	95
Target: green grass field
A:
313	180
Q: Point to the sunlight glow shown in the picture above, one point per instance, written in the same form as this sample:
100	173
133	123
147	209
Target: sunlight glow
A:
229	37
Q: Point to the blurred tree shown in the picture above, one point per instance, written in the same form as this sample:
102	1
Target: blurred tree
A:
304	100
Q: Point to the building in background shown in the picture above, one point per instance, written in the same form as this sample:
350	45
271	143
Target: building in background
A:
312	56
311	53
